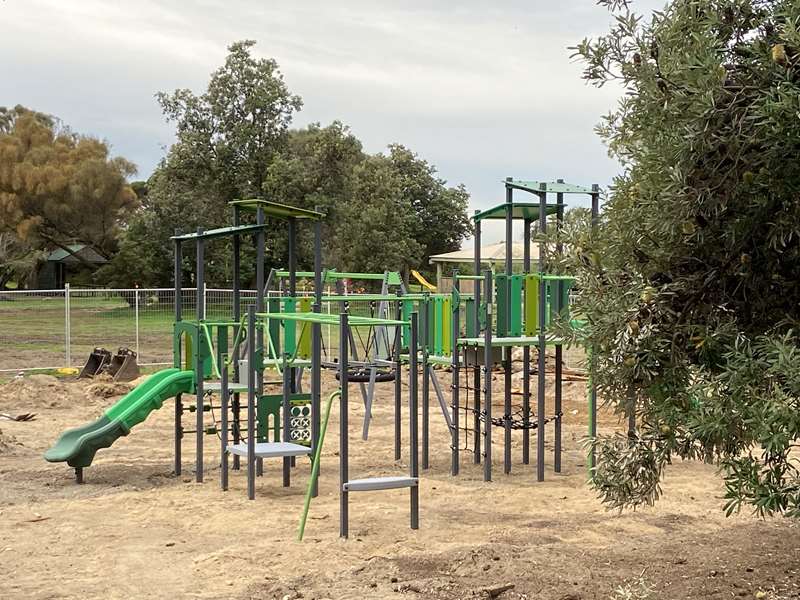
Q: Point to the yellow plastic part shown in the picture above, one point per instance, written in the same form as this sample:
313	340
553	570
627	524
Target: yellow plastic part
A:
304	345
422	280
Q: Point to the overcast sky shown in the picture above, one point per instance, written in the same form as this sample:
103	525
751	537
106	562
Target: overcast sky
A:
482	90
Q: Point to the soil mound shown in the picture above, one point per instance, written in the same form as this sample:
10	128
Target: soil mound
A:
24	394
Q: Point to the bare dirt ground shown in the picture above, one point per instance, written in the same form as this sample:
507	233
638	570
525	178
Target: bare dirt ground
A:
135	530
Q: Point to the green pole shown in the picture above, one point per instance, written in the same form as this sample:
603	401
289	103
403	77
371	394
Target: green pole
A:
315	466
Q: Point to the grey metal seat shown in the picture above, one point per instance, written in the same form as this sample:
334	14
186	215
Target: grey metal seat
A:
271	449
380	483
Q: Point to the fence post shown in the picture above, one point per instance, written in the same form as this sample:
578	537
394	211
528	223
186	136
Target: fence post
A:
67	337
205	302
136	312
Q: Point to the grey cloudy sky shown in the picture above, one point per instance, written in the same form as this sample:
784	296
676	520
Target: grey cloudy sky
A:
481	89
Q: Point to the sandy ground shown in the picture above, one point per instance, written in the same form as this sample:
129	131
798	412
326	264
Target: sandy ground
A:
135	530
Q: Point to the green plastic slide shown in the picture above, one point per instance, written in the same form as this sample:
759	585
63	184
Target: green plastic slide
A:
78	446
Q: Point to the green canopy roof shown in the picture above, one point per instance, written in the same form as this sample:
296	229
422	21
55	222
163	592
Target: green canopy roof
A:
519	210
221	232
278	210
552	187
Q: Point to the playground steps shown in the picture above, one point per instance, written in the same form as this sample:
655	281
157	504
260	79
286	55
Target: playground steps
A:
379	483
271	449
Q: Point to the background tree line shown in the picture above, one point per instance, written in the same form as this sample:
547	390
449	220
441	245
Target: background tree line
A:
383	211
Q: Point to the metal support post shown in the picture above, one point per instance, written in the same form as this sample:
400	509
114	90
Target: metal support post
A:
258	374
476	372
67	328
426	386
316	352
507	350
454	393
286	417
178	433
251	402
398	330
198	366
526	357
559	354
487	378
412	419
344	472
592	385
223	391
542	345
237	318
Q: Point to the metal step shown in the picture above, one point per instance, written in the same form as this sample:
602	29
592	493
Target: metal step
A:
379	483
271	449
216	386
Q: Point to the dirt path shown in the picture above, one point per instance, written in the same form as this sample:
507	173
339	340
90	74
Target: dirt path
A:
137	531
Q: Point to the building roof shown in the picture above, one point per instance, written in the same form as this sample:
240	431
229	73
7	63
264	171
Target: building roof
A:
86	253
492	253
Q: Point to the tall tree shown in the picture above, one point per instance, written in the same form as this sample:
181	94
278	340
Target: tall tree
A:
19	260
234	141
232	131
315	170
440	212
226	139
378	225
57	187
690	284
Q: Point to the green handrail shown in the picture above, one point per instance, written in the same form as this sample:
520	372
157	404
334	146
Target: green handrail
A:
226	363
315	465
271	348
214	365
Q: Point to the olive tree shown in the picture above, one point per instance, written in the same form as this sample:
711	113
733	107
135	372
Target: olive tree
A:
690	282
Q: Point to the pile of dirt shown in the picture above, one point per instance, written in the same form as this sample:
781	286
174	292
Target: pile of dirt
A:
108	389
36	391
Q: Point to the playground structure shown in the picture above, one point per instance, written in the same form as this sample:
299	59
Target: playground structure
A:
225	363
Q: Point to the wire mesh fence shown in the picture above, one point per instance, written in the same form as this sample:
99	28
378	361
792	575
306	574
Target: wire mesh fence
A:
49	329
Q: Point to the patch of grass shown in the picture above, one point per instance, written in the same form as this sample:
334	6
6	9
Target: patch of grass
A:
639	589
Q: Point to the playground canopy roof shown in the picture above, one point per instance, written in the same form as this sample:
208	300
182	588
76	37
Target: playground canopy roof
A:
221	232
271	209
551	187
278	210
519	210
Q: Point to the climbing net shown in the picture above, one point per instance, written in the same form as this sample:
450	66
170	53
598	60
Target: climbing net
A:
517	418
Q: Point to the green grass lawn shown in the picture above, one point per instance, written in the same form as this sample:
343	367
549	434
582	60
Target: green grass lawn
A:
33	329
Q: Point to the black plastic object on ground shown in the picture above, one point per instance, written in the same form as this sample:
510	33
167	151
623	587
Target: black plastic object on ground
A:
123	366
98	360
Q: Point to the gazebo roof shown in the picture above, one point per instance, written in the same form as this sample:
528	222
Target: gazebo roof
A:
492	253
87	253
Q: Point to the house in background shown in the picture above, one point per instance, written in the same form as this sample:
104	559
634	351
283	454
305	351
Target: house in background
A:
492	256
62	267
